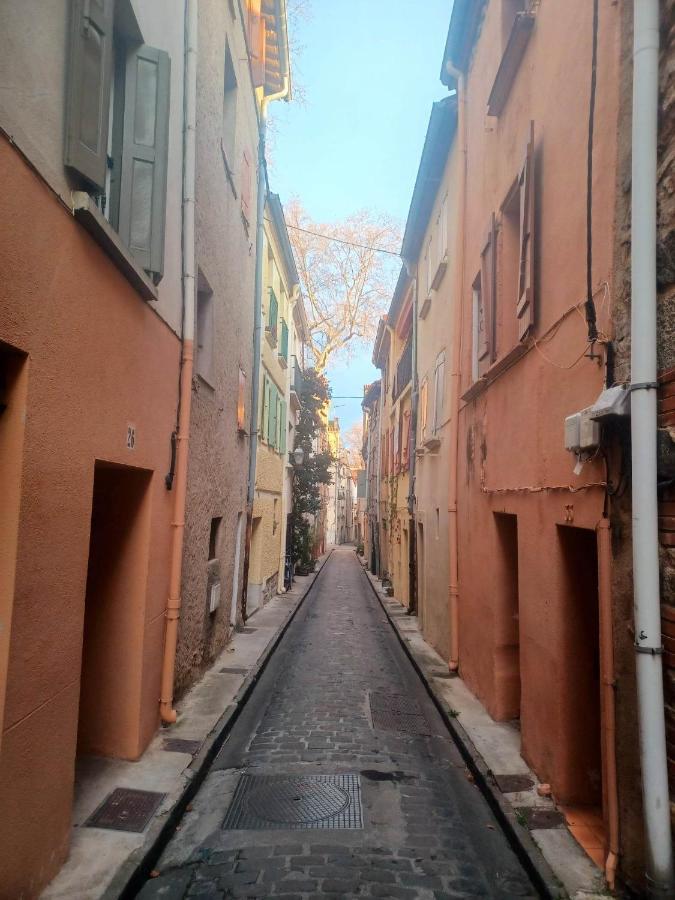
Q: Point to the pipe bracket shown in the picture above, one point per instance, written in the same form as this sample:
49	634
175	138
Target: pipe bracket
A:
652	651
644	386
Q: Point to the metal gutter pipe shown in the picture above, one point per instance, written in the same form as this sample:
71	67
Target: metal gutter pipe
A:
456	362
647	609
167	712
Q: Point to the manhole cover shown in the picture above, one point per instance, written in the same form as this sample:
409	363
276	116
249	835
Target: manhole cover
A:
394	712
295	801
511	784
181	745
537	817
126	809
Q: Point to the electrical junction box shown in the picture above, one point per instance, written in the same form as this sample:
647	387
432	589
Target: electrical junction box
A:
589	430
612	403
572	426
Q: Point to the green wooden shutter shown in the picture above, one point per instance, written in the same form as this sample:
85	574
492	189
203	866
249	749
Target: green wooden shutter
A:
88	99
266	419
144	157
274	417
282	430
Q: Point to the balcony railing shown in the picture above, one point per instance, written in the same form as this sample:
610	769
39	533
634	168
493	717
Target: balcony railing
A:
403	372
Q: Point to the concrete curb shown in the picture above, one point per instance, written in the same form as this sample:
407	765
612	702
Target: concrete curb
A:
132	875
518	837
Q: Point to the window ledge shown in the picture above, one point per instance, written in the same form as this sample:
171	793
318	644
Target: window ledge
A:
432	443
508	67
90	217
495	370
440	272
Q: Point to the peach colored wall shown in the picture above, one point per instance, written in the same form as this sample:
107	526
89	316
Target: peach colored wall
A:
511	453
91	342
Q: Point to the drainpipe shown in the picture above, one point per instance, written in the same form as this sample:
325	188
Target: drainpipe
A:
167	712
257	323
643	434
455	376
412	459
608	697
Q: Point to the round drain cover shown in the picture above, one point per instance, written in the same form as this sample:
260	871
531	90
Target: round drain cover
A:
294	801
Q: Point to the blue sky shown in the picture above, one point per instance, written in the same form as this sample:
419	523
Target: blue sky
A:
369	70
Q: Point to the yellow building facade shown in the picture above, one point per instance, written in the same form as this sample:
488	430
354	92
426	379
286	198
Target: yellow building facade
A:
275	424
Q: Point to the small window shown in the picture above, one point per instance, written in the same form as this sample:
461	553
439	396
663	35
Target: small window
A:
213	537
241	401
508	259
424	399
204	331
478	332
117	124
229	110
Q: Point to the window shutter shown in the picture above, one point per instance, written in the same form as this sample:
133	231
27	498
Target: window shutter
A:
266	414
406	439
526	300
144	157
274	417
89	76
282	428
486	349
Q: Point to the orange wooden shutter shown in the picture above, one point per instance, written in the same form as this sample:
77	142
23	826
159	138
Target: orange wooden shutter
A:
241	401
525	309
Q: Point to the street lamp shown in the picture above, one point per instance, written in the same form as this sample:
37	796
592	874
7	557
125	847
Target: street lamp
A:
298	456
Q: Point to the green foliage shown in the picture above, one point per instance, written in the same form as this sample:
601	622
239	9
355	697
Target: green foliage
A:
315	469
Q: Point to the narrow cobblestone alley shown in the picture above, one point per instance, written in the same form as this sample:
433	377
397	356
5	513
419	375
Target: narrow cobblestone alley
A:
426	830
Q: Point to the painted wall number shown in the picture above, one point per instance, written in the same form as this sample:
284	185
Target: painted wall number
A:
131	437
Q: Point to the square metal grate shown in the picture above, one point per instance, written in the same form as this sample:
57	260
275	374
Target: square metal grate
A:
538	817
511	784
126	809
294	802
394	712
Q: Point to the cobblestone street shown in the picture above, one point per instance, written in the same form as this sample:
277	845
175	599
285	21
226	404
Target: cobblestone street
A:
427	831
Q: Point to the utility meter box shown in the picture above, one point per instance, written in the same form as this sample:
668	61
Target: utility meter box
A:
572	428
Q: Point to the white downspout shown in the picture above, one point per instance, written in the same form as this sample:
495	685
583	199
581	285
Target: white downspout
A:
643	432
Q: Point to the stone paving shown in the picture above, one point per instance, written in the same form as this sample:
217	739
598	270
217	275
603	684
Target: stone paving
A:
427	831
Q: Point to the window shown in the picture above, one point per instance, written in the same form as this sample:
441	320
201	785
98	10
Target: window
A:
117	117
478	334
229	110
272	318
424	399
241	401
213	537
204	330
486	293
406	420
439	392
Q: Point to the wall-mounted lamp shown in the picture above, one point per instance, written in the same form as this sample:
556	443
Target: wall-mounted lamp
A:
297	457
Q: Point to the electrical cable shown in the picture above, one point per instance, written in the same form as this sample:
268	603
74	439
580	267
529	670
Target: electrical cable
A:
328	237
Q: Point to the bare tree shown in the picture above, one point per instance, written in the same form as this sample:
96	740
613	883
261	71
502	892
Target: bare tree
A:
352	441
347	281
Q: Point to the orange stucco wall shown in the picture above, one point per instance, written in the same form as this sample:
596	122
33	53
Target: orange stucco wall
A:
511	453
92	344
